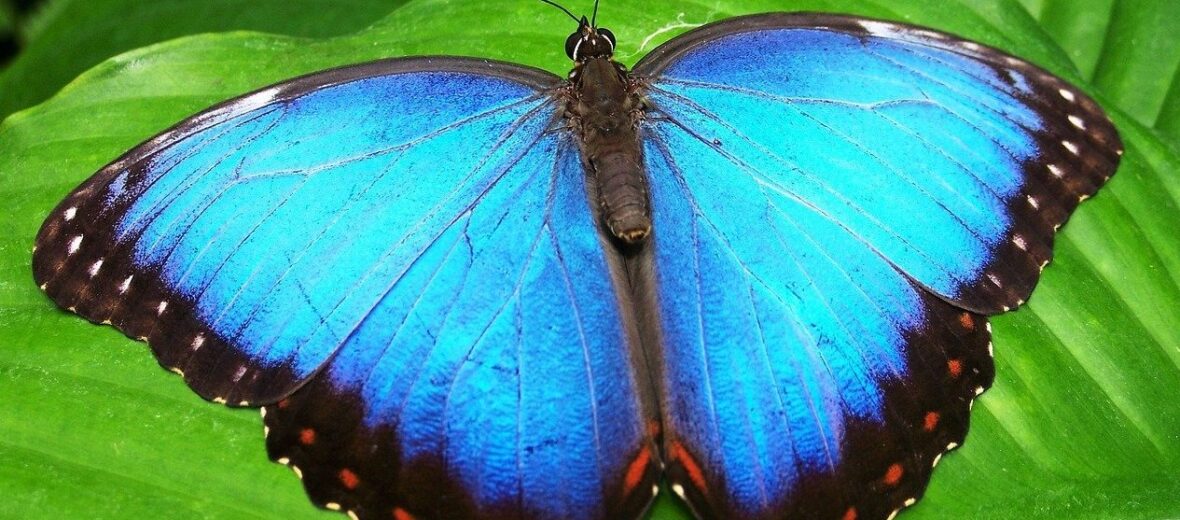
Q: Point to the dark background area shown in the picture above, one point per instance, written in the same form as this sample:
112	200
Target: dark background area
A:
9	36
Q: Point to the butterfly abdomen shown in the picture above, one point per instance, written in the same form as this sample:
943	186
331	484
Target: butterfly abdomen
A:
605	112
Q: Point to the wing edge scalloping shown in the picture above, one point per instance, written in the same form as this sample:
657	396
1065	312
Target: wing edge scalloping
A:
964	352
142	304
892	478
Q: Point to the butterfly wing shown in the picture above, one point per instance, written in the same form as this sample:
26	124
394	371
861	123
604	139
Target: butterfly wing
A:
837	203
400	254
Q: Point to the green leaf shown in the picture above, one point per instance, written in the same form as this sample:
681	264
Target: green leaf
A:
1081	423
94	30
1129	50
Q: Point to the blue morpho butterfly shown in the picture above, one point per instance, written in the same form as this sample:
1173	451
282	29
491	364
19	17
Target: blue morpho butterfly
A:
757	265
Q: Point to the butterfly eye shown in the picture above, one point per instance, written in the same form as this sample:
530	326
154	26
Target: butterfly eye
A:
571	44
610	37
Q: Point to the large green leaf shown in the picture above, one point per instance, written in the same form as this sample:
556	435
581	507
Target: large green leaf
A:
1128	50
1083	420
66	37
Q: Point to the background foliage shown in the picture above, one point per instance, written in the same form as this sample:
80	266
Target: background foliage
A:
1083	421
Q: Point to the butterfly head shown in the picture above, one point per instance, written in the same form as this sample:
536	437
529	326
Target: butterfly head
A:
589	42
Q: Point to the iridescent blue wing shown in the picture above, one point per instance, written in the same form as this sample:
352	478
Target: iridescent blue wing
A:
837	204
402	257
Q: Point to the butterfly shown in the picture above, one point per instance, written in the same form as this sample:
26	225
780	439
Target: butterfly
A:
757	265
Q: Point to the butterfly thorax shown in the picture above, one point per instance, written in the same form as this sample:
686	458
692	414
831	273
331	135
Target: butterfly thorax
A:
604	110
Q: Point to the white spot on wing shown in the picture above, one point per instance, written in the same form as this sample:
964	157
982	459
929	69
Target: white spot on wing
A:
878	28
94	268
284	461
679	490
1077	121
75	243
198	340
333	506
978	390
951	446
69	213
1067	95
655	489
910	501
995	279
160	308
298	472
241	371
936	459
1055	170
257	100
1032	201
1069	145
1019	241
219	400
126	284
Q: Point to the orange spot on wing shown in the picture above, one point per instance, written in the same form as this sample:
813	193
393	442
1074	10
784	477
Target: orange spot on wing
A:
850	514
893	475
966	320
677	453
307	436
401	514
635	470
931	421
349	479
955	367
283	404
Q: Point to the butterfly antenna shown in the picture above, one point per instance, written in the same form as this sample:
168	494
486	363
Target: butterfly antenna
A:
567	11
594	16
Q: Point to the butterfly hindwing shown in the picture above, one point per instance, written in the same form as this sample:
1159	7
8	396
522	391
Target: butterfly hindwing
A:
803	375
411	281
837	203
521	408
